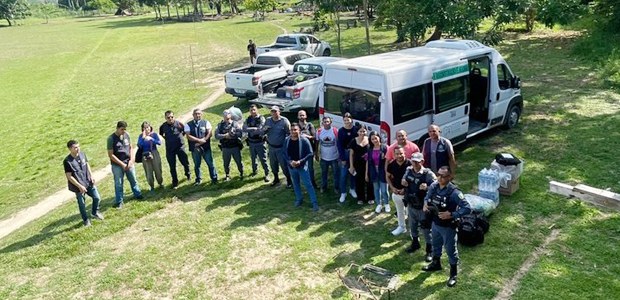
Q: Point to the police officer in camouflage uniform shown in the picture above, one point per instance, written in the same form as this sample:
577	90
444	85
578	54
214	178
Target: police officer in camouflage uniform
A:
446	203
417	180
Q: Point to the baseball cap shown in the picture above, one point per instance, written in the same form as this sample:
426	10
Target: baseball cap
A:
275	107
417	157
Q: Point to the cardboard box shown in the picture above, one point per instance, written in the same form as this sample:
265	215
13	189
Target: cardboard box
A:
513	186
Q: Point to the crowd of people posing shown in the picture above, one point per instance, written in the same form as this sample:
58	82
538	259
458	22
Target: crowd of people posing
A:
363	166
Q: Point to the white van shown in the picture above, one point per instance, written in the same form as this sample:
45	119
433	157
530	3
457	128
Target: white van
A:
461	85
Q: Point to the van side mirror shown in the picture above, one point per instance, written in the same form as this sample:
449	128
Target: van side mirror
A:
515	82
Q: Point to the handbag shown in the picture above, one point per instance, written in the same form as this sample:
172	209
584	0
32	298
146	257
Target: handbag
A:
139	155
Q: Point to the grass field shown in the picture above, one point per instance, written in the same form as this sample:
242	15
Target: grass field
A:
245	240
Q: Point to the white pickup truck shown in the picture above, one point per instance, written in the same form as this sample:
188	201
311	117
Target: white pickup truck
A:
301	89
269	69
298	41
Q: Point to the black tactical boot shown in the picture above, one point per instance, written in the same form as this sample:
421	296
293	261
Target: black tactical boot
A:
429	253
435	265
415	245
452	279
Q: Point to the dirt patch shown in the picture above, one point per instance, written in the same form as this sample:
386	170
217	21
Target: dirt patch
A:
511	286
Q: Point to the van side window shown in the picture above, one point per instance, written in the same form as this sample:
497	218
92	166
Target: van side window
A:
451	93
363	105
503	76
410	103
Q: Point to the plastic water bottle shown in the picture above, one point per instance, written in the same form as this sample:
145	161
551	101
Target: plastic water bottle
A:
482	180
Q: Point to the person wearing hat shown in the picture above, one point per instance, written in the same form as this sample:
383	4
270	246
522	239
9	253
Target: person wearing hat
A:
277	128
229	134
417	179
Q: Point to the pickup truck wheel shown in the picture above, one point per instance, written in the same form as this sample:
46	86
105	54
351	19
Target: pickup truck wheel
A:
327	52
512	117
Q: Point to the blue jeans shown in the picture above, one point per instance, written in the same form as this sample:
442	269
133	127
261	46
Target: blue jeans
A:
93	193
381	194
119	177
325	164
344	174
302	174
415	217
198	156
446	237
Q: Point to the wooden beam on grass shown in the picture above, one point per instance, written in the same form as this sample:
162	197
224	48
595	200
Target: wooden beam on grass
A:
587	193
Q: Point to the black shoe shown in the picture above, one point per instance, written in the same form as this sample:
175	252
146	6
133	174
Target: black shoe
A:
253	174
86	223
198	182
139	197
189	177
275	182
415	245
453	272
435	265
175	186
288	186
429	253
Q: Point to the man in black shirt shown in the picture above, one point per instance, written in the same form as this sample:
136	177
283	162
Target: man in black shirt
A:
80	181
173	131
395	172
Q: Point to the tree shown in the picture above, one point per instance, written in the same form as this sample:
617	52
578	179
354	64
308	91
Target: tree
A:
548	12
12	10
608	14
260	6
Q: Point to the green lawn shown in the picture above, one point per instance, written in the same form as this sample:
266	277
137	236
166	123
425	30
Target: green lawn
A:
245	240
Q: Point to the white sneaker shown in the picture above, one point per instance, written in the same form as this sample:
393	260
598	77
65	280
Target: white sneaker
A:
387	208
399	230
378	209
343	196
353	193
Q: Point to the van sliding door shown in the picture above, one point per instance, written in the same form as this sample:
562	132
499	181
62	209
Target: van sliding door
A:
451	103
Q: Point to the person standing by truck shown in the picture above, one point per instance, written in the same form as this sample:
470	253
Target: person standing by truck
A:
277	128
308	131
252	50
253	125
229	135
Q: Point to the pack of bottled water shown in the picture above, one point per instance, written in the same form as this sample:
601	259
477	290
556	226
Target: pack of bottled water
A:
488	184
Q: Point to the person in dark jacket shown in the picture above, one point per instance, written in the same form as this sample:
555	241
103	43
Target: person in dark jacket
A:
297	152
229	134
438	151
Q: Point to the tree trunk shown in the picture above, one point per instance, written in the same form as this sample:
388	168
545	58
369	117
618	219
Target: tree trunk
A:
400	33
168	8
366	25
218	8
176	8
337	15
436	35
9	20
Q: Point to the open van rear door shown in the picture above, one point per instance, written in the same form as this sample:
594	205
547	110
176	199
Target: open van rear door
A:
450	99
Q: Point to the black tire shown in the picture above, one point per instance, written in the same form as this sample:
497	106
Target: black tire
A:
512	117
327	52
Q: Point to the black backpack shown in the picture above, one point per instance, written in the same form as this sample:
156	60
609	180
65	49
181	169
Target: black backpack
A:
472	228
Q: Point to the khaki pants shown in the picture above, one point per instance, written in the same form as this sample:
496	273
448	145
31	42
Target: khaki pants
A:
153	167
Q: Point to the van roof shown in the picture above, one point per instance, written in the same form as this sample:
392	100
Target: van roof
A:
433	53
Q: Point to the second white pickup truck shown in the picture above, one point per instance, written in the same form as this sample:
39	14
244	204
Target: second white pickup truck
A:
301	89
298	41
269	69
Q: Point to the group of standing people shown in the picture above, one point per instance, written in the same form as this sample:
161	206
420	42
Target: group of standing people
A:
362	165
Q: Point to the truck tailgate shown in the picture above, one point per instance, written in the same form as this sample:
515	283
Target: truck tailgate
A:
242	82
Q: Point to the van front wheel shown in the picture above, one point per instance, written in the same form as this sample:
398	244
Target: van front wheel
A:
513	116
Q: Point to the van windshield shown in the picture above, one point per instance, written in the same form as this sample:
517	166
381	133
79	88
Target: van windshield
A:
362	105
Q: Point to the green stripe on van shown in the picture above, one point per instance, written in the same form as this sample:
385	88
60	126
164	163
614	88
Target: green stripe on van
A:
450	72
